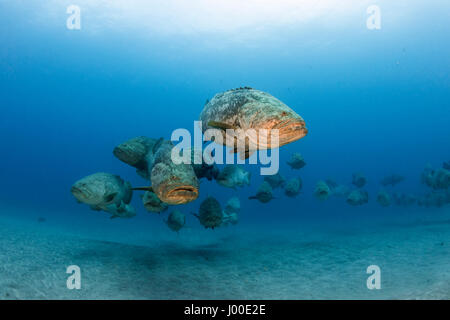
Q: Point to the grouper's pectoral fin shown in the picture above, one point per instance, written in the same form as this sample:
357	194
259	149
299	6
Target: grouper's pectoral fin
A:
243	154
246	154
221	125
110	197
143	189
157	144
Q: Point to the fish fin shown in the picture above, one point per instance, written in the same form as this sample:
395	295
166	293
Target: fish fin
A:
195	215
110	197
112	208
246	154
96	208
143	189
220	125
157	144
121	207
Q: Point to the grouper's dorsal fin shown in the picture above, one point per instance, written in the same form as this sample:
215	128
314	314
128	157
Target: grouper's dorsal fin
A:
221	125
157	144
143	189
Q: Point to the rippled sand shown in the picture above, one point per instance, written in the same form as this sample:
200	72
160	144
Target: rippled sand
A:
238	263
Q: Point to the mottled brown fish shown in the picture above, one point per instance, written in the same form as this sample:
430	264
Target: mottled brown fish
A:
172	183
264	193
392	180
134	151
383	198
176	220
210	213
276	180
296	161
293	187
233	176
247	108
322	190
138	152
152	203
105	191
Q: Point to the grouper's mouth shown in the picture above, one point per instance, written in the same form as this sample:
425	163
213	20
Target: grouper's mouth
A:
79	194
291	130
179	194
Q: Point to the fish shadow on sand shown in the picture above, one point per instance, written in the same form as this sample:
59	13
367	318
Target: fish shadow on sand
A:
209	252
106	252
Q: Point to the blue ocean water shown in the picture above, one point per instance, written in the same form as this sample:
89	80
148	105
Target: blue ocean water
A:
374	101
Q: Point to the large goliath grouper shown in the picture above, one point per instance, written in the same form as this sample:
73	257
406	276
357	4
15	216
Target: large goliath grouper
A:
172	183
247	108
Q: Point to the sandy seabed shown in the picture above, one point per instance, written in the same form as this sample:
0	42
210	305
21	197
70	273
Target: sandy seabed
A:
233	263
